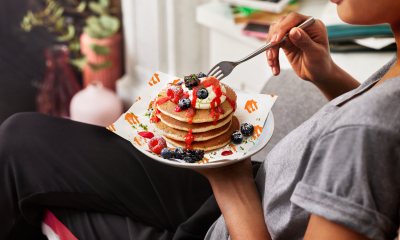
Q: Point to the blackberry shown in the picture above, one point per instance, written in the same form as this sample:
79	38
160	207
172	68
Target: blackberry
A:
202	93
201	75
180	153
184	103
193	156
237	137
167	153
191	81
247	129
188	159
179	83
200	154
189	151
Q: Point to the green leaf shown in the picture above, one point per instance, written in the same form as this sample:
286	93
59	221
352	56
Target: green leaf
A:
110	23
92	20
93	33
104	3
75	45
96	67
81	7
79	63
59	12
96	8
60	23
70	34
100	50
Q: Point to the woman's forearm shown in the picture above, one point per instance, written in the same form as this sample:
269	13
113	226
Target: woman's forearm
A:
240	203
336	83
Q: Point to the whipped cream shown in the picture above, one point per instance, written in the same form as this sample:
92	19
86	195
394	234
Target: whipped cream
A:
205	103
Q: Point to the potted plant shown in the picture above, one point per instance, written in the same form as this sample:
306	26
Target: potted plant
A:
101	44
98	51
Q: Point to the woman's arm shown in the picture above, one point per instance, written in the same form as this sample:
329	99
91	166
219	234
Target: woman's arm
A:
240	203
309	55
239	200
320	228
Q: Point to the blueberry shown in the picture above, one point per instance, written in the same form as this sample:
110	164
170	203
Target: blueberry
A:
179	83
184	103
237	137
247	129
167	153
202	93
201	75
188	159
180	153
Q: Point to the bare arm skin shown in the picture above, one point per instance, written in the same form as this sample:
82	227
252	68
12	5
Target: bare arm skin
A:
240	203
239	200
309	55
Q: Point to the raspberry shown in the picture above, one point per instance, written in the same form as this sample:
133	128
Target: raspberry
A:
156	144
174	93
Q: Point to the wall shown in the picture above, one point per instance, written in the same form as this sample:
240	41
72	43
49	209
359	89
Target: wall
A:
161	35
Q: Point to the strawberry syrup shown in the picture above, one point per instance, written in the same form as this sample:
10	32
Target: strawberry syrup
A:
189	138
226	153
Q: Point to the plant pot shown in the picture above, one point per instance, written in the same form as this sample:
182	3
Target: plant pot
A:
107	76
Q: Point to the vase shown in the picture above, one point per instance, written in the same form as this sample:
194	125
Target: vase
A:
107	76
59	83
96	105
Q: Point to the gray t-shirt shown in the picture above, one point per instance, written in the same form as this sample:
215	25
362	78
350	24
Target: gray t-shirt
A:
342	164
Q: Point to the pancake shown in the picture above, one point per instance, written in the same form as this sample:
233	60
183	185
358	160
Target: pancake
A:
179	135
217	142
196	127
202	115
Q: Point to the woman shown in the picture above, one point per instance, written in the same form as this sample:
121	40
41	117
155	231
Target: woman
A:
334	177
337	175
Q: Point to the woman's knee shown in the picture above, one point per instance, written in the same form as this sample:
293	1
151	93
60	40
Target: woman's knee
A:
20	127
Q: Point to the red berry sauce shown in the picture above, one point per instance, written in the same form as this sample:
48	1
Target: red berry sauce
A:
226	153
146	134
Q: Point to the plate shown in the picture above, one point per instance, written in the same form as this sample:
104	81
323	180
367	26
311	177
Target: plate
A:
261	142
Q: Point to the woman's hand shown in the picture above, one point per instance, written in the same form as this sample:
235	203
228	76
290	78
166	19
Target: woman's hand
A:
304	49
308	53
239	170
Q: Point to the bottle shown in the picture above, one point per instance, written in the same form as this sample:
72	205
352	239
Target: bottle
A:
59	83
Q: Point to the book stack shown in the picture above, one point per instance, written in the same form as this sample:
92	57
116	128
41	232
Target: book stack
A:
242	14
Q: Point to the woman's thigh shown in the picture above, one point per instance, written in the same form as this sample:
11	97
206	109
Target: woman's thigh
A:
48	161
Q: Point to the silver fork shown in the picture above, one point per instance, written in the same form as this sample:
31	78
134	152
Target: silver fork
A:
223	69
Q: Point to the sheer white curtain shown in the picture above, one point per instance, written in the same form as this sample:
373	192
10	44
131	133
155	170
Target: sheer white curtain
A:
161	35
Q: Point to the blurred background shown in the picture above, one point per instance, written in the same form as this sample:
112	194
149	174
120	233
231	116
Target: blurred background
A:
88	60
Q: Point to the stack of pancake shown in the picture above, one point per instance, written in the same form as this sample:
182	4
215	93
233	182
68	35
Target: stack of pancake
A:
208	134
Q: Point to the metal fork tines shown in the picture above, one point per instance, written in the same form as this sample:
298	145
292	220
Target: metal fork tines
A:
223	69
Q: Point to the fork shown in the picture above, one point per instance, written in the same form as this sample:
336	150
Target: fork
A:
223	69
